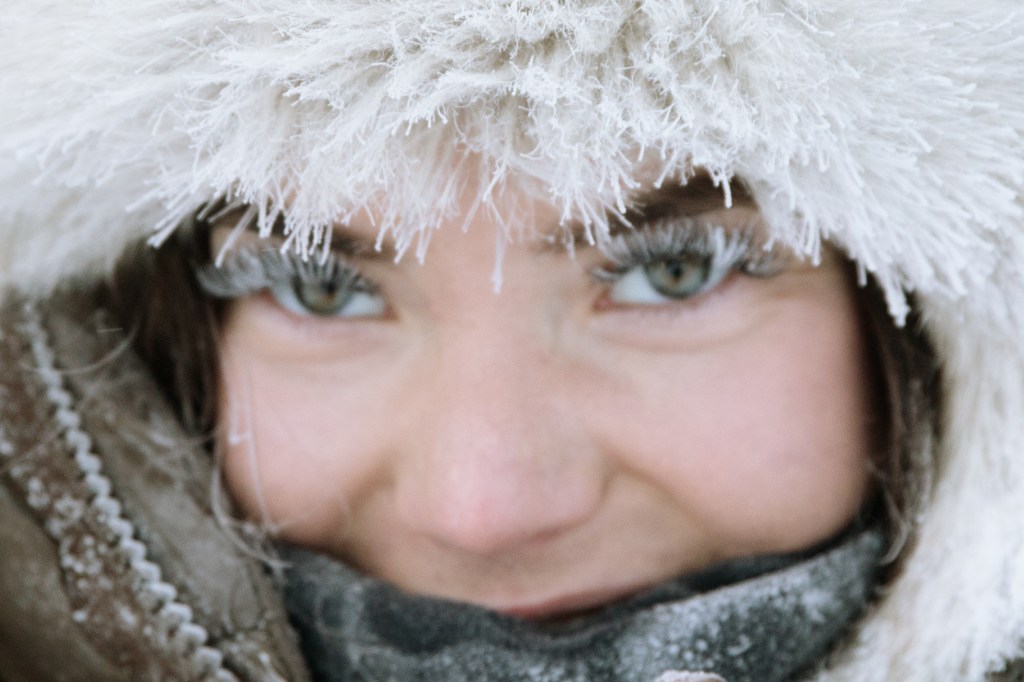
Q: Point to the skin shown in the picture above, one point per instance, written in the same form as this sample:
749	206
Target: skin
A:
549	448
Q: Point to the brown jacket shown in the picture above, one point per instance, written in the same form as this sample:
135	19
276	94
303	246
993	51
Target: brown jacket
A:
113	565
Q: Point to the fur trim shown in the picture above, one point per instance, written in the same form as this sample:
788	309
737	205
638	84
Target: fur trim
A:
894	128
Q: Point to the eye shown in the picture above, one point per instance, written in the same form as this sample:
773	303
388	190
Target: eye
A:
324	288
327	298
675	278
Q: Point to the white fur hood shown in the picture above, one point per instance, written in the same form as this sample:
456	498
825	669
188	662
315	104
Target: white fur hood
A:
894	128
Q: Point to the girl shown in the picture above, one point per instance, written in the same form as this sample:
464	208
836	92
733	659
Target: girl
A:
541	341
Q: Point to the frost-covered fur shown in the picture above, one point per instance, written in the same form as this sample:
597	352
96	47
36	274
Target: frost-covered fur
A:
894	128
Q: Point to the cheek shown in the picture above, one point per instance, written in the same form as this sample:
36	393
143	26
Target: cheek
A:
763	440
290	452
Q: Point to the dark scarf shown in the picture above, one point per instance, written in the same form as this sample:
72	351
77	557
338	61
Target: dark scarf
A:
758	619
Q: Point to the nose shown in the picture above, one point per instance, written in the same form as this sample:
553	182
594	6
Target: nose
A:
495	461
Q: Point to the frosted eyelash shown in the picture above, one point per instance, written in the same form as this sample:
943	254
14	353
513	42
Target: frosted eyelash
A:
252	269
670	238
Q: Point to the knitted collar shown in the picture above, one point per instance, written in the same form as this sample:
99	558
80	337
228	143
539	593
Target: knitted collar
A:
761	619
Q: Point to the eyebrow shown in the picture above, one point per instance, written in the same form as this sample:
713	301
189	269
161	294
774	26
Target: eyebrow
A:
698	194
347	242
344	240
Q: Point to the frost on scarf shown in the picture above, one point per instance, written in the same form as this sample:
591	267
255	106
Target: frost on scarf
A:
755	619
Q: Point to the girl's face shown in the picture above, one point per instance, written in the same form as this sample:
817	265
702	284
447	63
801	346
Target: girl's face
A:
607	421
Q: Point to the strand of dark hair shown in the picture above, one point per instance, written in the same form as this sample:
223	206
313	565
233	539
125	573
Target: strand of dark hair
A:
154	295
908	390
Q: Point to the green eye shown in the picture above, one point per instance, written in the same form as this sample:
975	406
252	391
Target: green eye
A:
321	298
668	279
326	298
678	259
679	277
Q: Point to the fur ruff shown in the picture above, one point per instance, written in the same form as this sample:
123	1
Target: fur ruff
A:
894	128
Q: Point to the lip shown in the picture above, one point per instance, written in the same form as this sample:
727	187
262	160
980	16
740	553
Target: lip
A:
570	604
